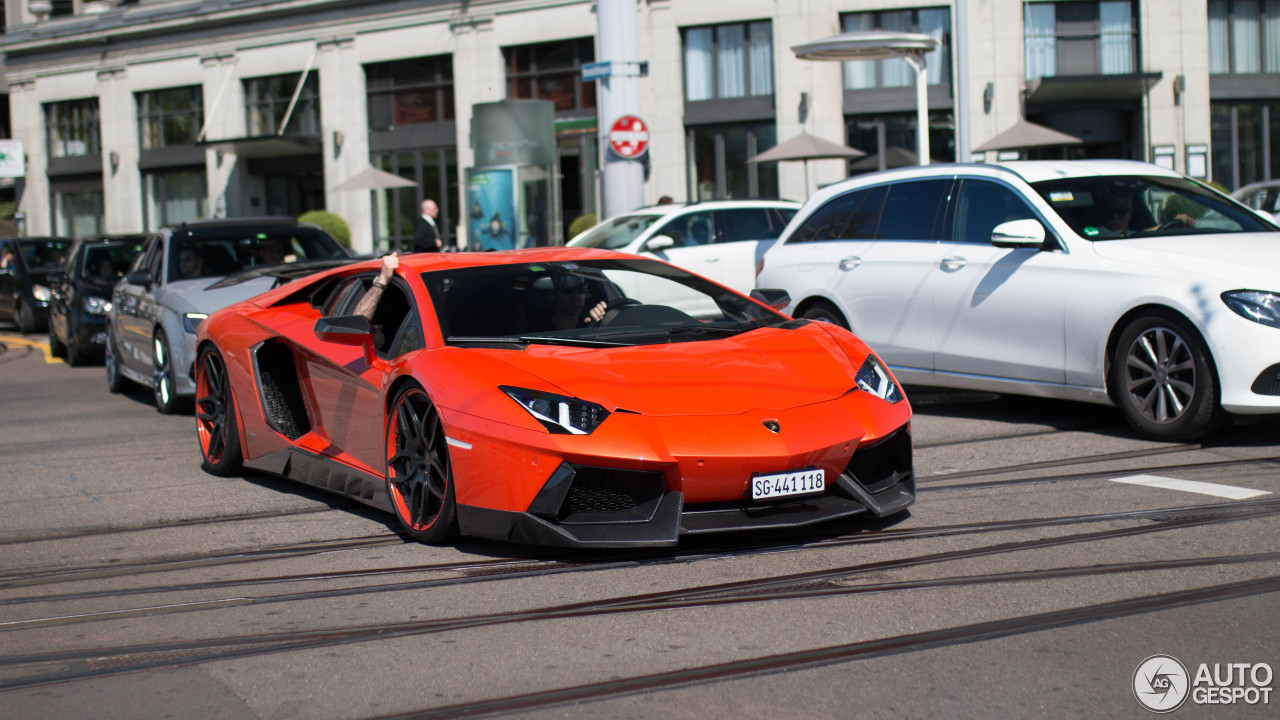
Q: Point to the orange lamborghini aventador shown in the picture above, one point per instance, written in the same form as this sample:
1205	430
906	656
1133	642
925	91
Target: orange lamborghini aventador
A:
554	396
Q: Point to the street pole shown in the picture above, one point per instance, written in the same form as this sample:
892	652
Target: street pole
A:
962	81
618	42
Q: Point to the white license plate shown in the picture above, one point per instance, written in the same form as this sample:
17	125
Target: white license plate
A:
805	482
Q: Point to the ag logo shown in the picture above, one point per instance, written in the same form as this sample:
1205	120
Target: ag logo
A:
1161	683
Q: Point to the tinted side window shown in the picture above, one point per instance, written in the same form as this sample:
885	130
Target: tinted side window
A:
749	224
914	210
689	230
852	216
982	205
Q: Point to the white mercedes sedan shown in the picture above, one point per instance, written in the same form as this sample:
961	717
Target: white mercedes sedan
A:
1104	281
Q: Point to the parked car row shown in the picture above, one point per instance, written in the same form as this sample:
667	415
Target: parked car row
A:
25	266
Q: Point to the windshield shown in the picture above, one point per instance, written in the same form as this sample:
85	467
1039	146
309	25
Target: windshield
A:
617	233
44	254
210	255
1115	206
596	303
109	261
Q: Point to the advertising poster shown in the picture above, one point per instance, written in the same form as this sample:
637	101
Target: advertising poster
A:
491	209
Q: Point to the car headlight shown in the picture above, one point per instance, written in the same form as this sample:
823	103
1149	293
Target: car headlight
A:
41	293
96	305
1256	305
560	414
873	378
191	321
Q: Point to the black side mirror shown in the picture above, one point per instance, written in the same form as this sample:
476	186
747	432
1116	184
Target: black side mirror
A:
776	299
348	330
140	277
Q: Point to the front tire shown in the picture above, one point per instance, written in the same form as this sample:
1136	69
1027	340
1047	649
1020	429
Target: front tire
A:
27	319
164	385
56	348
823	311
216	416
419	476
1164	381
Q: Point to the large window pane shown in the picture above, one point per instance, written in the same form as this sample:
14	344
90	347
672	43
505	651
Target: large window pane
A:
1039	27
1245	51
1117	37
175	196
1220	128
1219	42
702	164
697	64
937	22
1249	135
77	214
766	136
1271	38
731	61
897	73
761	59
1273	113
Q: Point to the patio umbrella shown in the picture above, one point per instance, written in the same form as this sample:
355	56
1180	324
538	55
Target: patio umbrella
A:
806	147
894	156
374	179
1026	134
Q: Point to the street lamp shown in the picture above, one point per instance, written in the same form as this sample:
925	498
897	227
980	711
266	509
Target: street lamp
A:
881	45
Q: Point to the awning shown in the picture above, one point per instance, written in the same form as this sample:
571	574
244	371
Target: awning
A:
1026	134
1090	88
266	146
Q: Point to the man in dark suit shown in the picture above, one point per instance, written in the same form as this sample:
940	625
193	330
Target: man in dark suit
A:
426	238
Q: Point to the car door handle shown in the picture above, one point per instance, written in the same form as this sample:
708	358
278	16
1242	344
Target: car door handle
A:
711	259
850	262
954	263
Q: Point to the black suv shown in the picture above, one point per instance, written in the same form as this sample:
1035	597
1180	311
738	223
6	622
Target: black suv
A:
81	294
25	264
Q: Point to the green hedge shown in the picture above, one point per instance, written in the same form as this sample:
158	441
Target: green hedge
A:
331	223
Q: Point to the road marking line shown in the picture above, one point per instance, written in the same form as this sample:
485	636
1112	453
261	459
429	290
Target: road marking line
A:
41	345
1193	486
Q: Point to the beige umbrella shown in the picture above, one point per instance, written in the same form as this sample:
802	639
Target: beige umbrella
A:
894	156
1026	134
374	179
806	147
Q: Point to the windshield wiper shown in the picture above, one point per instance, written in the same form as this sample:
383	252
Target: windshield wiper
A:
535	340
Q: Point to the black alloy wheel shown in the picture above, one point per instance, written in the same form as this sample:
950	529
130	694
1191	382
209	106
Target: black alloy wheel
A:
26	318
216	415
419	476
1164	379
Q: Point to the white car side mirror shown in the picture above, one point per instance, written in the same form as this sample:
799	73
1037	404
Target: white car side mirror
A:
658	243
1018	234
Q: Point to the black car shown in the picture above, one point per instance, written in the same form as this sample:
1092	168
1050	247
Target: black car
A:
81	294
25	264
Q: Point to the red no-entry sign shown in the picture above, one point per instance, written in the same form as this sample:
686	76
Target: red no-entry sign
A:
629	136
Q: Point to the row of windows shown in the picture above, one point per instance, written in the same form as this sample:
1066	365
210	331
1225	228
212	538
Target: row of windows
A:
1244	36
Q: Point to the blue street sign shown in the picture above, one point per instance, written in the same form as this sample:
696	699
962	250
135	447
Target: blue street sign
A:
597	70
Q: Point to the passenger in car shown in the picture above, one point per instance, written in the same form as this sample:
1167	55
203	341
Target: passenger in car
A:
190	263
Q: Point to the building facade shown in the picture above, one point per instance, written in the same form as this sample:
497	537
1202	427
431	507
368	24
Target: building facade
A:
137	113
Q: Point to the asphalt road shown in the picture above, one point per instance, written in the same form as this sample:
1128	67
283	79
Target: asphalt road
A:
1025	582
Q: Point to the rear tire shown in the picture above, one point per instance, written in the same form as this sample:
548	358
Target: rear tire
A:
116	382
1163	379
823	311
216	416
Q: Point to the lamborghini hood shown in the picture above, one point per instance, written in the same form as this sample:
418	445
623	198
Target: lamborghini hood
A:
769	368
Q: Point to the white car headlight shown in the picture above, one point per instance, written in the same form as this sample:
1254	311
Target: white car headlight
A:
41	293
96	305
1256	305
191	321
873	378
560	414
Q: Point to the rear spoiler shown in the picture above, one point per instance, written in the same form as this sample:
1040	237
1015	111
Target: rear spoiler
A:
282	273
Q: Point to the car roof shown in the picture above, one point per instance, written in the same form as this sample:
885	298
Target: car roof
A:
1031	171
675	208
234	224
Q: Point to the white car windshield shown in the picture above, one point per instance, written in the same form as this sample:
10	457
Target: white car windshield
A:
1108	207
617	233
